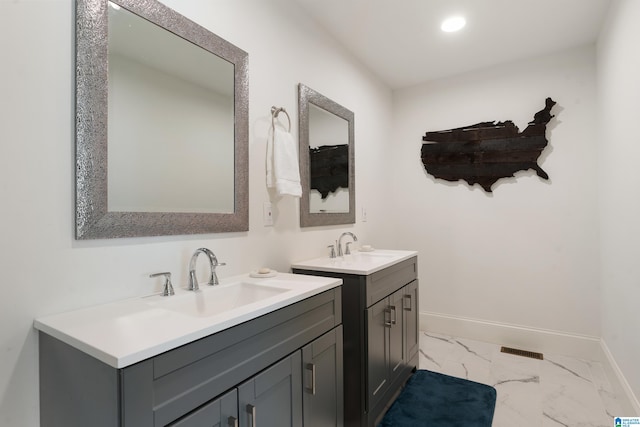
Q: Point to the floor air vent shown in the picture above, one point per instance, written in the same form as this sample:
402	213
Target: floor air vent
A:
523	353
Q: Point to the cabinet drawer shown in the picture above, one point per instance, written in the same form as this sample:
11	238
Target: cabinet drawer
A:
322	396
412	321
273	398
385	282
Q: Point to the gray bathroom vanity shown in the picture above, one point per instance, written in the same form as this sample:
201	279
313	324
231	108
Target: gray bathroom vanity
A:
380	321
279	363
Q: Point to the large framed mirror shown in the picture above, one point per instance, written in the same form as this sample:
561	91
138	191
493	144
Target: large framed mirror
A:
327	167
161	124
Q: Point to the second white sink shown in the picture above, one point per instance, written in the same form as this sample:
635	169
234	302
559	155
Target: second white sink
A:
363	263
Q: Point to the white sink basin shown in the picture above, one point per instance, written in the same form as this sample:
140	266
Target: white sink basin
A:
373	254
215	300
363	263
363	259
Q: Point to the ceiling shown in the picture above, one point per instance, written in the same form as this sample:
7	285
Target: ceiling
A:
401	40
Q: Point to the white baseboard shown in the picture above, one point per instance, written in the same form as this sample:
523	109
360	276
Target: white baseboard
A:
620	385
539	340
522	337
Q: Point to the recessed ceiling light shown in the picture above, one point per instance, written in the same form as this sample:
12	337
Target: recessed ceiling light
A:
452	24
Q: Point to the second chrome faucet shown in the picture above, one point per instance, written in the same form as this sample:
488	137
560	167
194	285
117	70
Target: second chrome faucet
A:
347	251
213	263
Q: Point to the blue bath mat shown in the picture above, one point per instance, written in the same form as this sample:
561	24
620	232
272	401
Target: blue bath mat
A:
430	399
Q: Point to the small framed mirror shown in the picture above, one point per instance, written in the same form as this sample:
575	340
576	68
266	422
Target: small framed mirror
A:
161	124
327	167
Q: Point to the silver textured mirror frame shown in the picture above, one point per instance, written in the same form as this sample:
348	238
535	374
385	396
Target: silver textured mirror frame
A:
93	219
308	96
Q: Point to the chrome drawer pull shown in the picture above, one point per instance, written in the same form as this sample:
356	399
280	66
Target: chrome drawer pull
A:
252	412
233	422
387	322
312	367
410	302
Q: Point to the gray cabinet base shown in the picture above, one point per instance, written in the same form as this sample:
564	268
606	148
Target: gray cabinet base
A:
360	294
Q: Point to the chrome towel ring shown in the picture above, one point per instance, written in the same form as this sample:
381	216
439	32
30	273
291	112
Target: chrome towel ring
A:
275	111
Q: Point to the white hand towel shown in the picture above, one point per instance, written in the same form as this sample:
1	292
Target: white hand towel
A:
283	172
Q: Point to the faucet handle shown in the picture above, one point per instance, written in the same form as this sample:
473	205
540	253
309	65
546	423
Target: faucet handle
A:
168	287
332	252
347	250
213	278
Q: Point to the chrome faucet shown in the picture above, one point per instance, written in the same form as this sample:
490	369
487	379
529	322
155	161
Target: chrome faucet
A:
347	251
213	263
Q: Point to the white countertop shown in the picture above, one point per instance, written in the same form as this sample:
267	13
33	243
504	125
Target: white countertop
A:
126	332
359	262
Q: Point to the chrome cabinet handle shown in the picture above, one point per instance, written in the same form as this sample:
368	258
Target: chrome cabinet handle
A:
395	315
410	302
312	367
252	412
233	422
387	322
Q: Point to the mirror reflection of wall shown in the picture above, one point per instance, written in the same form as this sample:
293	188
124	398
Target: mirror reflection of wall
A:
328	162
171	126
162	127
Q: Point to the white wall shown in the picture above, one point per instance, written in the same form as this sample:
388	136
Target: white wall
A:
44	270
619	114
526	255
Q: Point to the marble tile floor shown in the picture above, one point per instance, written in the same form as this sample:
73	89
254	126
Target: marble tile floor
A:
558	391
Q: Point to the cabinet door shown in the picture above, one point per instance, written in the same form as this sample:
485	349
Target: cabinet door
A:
378	325
411	314
396	334
273	398
322	397
222	412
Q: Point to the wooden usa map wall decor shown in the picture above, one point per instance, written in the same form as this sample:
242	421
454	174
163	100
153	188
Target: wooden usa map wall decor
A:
485	152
